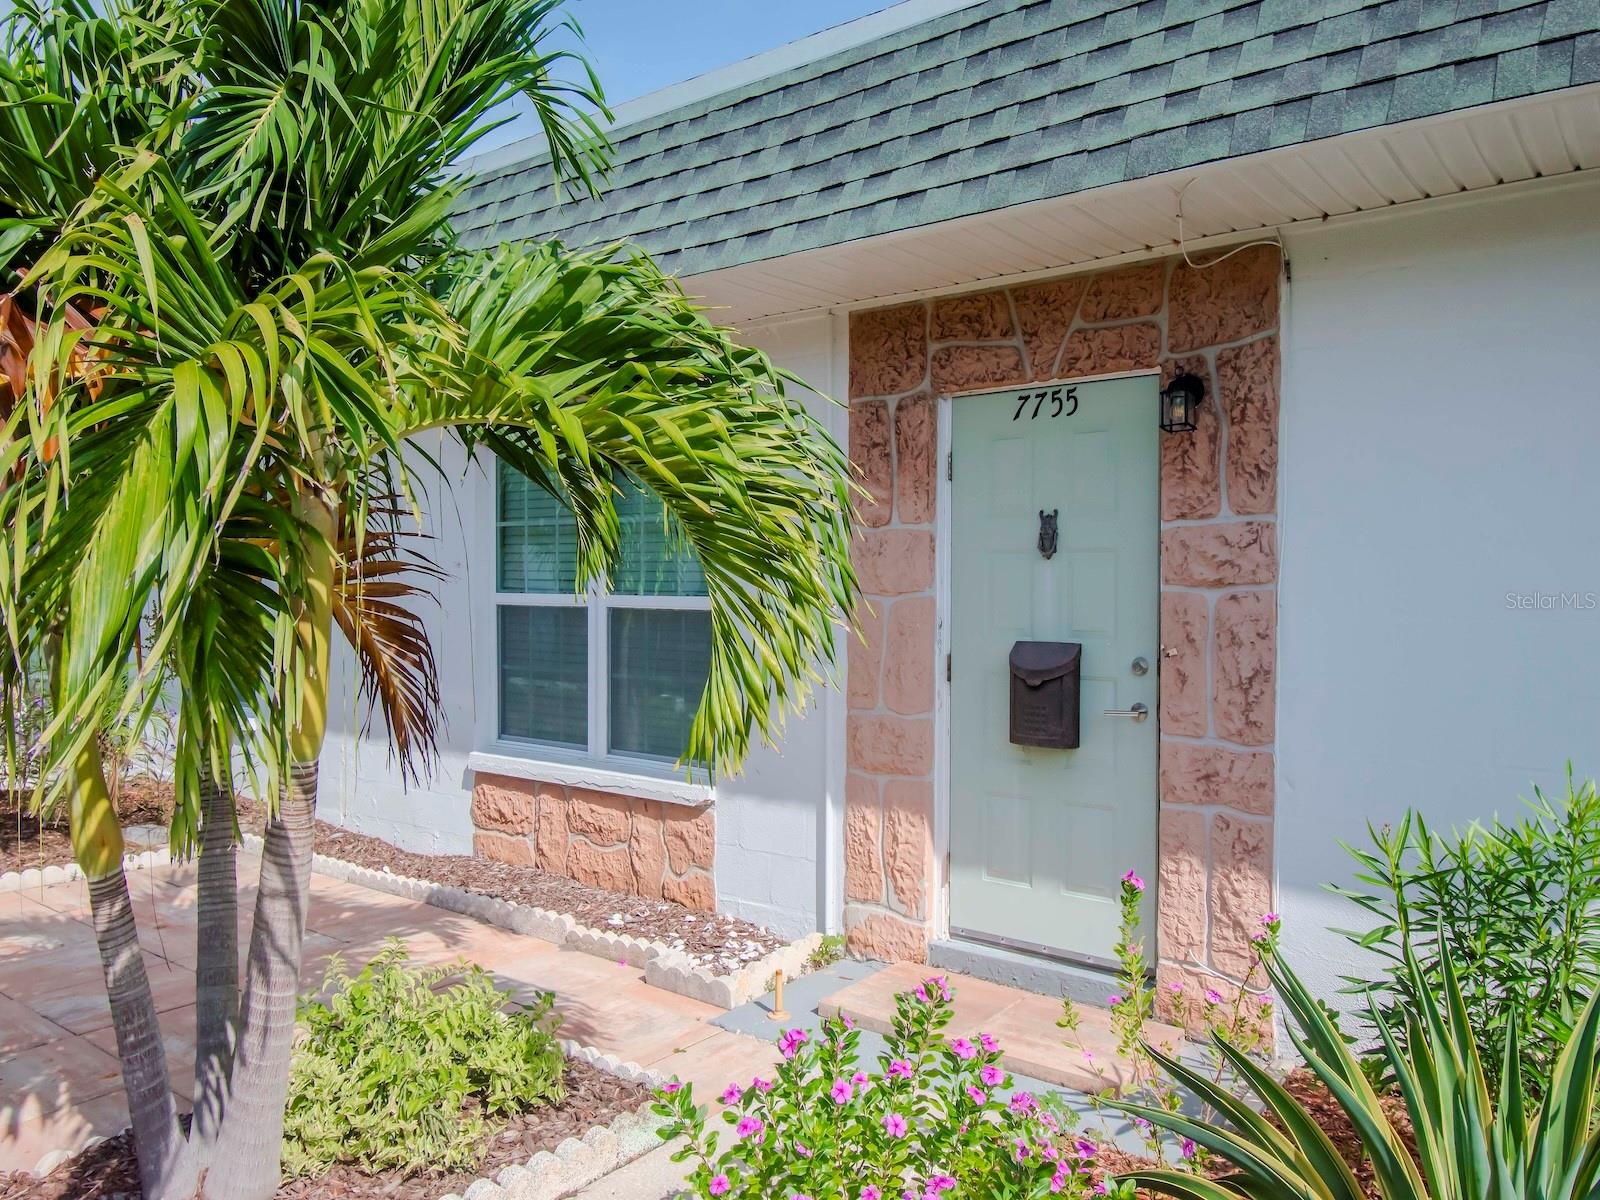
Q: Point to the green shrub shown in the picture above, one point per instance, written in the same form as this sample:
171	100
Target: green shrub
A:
1516	905
1466	1145
409	1067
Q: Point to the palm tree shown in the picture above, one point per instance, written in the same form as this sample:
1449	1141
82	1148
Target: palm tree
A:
229	221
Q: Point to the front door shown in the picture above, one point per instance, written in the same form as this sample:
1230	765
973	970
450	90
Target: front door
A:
1039	838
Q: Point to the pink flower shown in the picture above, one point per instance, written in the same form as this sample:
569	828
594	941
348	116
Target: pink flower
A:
922	993
791	1041
1100	1187
674	1086
992	1076
1114	999
1213	996
761	1085
1175	988
848	1023
894	1125
1131	878
719	1185
1058	1180
731	1094
1269	919
940	1183
900	1069
871	1192
963	1049
801	1196
990	1046
1021	1149
860	1079
803	1150
1022	1102
976	1095
1187	1147
1085	1149
841	1091
751	1127
1264	1001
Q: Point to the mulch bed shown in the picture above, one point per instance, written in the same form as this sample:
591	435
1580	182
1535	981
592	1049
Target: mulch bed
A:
109	1171
721	943
25	844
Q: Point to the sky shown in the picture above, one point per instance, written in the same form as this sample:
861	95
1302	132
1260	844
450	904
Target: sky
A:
638	46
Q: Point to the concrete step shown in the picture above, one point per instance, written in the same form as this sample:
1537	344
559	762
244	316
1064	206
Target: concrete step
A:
1023	1022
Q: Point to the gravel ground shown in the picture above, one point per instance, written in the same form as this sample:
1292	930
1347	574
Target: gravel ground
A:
109	1171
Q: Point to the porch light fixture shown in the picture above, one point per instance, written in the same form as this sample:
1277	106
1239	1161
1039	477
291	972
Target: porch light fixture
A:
1180	403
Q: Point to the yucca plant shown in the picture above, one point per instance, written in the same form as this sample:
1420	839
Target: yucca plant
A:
1470	1143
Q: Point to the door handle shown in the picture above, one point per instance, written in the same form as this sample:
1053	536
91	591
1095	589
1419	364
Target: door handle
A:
1138	712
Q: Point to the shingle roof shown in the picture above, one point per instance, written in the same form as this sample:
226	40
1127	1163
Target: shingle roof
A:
1008	101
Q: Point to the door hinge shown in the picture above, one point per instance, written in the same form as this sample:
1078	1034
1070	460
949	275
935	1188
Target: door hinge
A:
947	668
950	466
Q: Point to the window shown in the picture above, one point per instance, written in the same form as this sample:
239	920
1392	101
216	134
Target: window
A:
614	673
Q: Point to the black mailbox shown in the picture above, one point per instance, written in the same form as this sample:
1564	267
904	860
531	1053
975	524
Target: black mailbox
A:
1044	694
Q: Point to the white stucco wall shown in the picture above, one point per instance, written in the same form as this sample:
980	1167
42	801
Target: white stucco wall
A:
1441	425
774	848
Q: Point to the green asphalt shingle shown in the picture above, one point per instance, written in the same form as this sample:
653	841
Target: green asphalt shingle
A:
1007	101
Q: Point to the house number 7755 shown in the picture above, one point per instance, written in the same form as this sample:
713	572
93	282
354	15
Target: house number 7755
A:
1063	401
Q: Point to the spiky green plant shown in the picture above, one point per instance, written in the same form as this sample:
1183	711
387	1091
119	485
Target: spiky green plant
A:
1471	1143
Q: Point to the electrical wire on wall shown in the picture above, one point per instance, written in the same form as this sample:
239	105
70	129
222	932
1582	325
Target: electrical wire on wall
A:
1275	240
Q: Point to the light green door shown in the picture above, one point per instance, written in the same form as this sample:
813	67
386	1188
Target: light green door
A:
1039	838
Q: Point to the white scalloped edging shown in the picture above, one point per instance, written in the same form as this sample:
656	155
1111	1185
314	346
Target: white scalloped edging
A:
37	877
548	1175
663	966
578	1162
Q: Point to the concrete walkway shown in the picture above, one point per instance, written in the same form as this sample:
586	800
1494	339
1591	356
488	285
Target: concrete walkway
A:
59	1079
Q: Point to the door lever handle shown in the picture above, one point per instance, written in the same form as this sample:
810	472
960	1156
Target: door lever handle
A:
1138	712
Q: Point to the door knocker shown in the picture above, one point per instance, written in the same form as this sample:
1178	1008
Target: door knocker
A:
1047	532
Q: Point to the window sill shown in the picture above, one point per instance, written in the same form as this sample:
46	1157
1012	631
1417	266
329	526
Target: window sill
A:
521	762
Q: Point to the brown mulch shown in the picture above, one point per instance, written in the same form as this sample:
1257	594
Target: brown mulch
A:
721	943
109	1171
24	843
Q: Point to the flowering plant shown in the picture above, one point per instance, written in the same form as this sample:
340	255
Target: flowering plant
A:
1243	1022
930	1123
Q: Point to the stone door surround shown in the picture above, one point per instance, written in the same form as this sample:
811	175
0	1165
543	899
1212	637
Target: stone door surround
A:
1219	570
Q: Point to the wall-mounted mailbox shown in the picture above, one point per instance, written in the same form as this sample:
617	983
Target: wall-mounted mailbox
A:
1044	694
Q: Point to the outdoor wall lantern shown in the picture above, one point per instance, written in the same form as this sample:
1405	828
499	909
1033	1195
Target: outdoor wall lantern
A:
1180	403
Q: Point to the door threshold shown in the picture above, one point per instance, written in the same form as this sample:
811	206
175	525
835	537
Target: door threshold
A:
1046	975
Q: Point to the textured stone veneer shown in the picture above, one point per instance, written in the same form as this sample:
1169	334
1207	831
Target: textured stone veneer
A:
1219	570
644	847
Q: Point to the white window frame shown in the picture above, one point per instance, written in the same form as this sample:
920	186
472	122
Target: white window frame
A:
596	764
599	604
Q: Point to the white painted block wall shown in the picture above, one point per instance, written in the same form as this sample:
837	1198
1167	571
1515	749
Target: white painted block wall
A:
1441	434
772	819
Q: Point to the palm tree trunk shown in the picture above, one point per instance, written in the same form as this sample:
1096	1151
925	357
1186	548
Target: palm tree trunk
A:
216	967
251	1135
251	1139
164	1172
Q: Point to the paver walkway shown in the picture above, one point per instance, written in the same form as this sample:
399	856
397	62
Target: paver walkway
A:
1023	1023
59	1078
